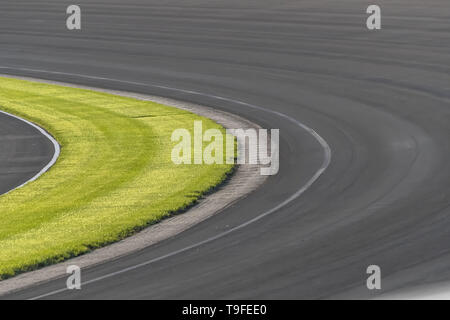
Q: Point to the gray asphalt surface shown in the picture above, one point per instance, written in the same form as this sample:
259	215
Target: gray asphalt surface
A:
24	151
379	98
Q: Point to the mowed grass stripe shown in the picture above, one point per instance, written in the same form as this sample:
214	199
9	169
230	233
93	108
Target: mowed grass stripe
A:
114	175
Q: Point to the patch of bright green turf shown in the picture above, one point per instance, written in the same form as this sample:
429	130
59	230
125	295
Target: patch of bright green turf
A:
114	175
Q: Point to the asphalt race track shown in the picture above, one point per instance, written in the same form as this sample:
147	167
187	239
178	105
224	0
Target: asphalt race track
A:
380	99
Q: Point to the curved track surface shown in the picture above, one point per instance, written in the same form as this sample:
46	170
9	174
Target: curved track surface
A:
380	99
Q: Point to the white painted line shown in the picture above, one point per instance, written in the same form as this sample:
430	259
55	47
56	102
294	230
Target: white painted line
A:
48	136
298	193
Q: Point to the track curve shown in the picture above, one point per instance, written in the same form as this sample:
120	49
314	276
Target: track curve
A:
26	152
380	100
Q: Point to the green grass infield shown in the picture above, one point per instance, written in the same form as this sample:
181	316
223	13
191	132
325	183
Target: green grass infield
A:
113	178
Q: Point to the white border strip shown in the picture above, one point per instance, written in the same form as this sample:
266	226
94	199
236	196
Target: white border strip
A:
48	136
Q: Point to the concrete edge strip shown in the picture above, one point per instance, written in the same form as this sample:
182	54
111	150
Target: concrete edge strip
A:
246	179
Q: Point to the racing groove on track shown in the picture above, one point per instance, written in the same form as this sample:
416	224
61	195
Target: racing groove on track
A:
380	100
